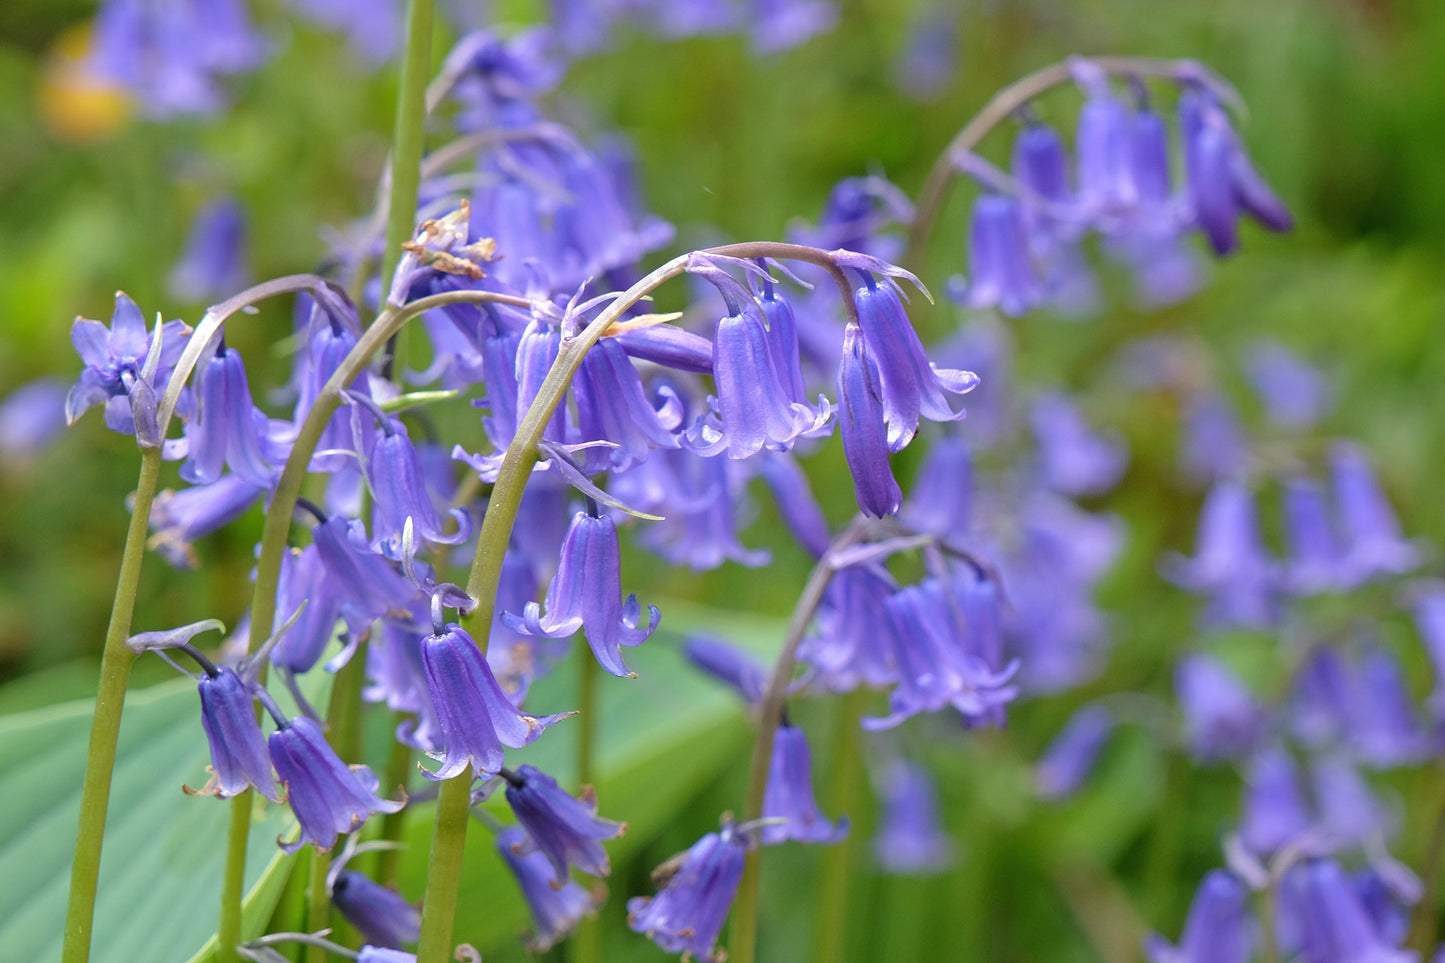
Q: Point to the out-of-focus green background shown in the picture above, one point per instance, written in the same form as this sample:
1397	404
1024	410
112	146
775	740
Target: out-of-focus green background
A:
1346	118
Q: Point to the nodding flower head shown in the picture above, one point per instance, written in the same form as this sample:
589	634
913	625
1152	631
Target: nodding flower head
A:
689	909
1217	929
475	716
789	795
327	796
862	418
564	828
228	428
556	911
1223	184
586	594
382	916
124	368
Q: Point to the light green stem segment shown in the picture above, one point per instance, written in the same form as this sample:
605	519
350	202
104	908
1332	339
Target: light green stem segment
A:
233	880
830	931
318	905
585	944
408	142
744	934
115	666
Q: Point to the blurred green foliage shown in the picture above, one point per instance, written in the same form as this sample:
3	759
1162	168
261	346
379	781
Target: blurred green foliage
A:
1346	118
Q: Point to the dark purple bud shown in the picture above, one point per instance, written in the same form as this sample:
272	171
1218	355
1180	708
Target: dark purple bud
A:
910	839
669	346
1217	929
586	593
565	829
728	664
239	759
555	911
1222	182
476	717
1069	759
688	912
789	795
382	916
327	796
1221	718
864	430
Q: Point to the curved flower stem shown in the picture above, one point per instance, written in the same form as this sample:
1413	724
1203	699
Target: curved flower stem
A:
831	930
115	666
743	936
935	189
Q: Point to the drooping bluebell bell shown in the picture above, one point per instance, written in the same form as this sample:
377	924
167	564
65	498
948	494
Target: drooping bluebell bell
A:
1067	762
688	911
1315	562
1295	393
789	794
1000	268
1275	813
475	716
1217	929
612	406
394	473
756	403
669	346
729	665
855	216
1076	460
1051	221
586	593
126	369
556	911
1222	719
1380	716
1371	534
862	424
1103	147
1349	813
178	518
1332	924
382	916
228	430
852	627
1215	446
566	829
213	265
170	55
1222	184
304	579
1229	567
795	502
597	227
366	583
910	841
327	796
942	496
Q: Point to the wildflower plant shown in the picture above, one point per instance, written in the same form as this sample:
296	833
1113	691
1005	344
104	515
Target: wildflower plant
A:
519	251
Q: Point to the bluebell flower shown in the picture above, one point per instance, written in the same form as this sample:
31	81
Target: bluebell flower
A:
795	502
556	911
1000	267
496	78
1103	147
327	796
1229	567
728	664
1380	716
1215	445
669	346
304	578
1222	720
1315	559
1274	814
1295	394
394	473
911	386
688	911
31	417
855	215
613	407
564	828
1068	760
475	716
1222	184
1372	540
126	369
382	916
366	583
1217	929
910	841
178	518
703	500
228	429
586	593
852	620
213	265
1349	814
239	759
327	345
596	229
1076	460
789	794
942	497
862	424
1333	926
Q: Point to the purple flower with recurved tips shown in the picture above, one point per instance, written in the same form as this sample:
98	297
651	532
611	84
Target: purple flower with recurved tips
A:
327	796
789	794
864	429
475	716
555	911
910	385
1070	757
564	828
1372	540
1217	929
365	582
688	911
239	759
1104	148
612	407
1221	718
586	594
126	369
228	429
394	472
910	840
382	916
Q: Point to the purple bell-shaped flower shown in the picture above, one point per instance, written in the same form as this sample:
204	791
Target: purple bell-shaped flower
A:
864	429
586	594
1217	929
1069	758
564	828
688	912
327	796
789	794
555	911
1221	718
